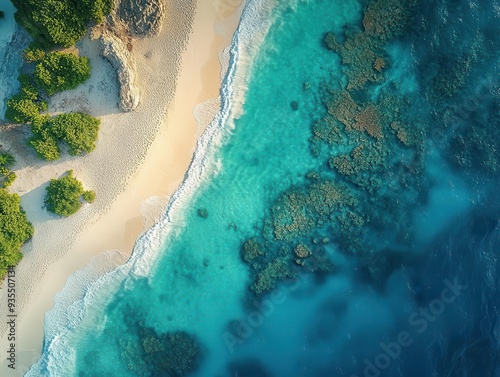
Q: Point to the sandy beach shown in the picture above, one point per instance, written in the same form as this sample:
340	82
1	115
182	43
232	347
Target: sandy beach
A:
140	160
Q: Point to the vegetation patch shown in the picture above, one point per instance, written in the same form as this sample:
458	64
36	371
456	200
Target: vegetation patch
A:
7	176
26	105
64	195
15	230
58	71
78	131
60	22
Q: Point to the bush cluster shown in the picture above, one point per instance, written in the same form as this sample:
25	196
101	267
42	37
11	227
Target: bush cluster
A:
15	230
63	195
6	161
26	105
33	53
60	22
78	131
58	71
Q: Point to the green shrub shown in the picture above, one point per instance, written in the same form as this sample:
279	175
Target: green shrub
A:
63	195
21	109
45	147
89	196
8	179
25	106
59	22
33	54
79	131
97	9
7	176
28	89
2	14
14	230
7	159
43	141
59	71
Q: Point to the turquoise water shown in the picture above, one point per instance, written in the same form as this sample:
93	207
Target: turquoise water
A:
385	233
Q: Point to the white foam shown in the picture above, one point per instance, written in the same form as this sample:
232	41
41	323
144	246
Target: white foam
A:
85	287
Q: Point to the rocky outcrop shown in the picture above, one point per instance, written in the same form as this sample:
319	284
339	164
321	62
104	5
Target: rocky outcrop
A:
141	18
115	51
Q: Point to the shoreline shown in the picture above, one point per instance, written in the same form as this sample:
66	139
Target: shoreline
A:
158	174
67	315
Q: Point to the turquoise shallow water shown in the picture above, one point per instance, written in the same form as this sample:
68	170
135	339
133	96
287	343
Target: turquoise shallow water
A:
427	210
199	282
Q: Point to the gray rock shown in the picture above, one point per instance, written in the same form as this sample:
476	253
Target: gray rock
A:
141	17
115	51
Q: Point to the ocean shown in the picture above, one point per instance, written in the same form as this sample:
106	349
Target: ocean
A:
340	216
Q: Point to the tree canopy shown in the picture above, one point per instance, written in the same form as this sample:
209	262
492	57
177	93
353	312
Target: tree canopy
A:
60	22
63	195
25	106
77	130
7	177
15	230
58	71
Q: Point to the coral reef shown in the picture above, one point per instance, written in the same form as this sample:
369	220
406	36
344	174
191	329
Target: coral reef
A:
202	212
476	145
387	19
251	249
359	55
362	51
372	139
173	354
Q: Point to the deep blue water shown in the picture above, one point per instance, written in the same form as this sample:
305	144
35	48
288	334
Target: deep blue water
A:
386	178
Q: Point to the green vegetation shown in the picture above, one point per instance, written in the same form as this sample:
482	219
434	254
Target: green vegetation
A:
26	105
6	159
21	109
89	196
59	71
14	230
77	130
51	23
8	176
60	22
2	14
53	73
33	53
63	195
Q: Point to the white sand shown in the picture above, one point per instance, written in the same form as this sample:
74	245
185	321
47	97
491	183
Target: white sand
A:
141	158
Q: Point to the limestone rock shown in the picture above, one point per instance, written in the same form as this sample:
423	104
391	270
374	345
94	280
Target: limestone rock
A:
115	51
141	17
